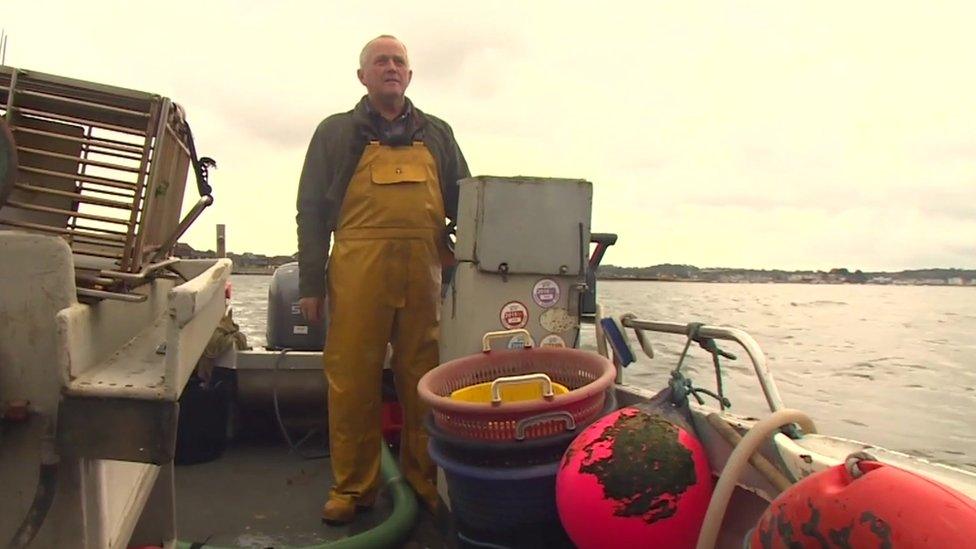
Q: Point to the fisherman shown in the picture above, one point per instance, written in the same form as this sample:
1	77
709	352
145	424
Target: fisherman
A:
382	180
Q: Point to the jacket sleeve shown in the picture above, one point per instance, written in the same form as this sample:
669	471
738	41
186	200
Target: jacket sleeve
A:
456	170
312	218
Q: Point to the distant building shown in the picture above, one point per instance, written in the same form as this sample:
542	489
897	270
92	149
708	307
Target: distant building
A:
804	278
185	251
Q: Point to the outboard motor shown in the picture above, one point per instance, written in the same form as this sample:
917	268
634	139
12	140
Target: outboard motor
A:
287	328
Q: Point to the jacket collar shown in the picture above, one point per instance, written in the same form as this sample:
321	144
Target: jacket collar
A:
364	121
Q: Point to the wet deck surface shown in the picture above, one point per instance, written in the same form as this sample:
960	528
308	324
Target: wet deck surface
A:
259	494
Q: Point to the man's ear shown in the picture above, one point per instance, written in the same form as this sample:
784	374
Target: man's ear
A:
359	74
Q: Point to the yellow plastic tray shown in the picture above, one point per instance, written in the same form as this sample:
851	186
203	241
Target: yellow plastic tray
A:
513	389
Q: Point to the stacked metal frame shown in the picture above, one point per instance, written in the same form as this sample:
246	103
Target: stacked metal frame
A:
103	167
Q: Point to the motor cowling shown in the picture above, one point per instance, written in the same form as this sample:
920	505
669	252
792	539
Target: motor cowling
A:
286	326
865	503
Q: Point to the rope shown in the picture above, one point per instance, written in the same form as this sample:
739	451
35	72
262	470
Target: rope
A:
296	446
682	386
851	463
709	345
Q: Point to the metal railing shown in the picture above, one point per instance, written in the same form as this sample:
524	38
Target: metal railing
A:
756	355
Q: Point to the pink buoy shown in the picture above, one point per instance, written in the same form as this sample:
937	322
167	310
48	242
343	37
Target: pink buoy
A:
633	479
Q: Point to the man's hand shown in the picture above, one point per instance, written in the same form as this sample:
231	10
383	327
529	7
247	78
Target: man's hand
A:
312	308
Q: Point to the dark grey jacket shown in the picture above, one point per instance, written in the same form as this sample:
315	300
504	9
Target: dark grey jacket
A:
332	157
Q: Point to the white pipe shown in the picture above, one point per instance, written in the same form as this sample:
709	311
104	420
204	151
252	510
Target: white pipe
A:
738	461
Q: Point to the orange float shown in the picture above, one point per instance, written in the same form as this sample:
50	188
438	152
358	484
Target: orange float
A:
864	503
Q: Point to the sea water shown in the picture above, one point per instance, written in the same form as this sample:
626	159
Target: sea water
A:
894	366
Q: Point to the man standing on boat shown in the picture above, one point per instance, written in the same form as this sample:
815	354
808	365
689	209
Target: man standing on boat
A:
382	179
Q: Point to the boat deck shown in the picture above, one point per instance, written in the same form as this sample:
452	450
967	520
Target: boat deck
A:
260	494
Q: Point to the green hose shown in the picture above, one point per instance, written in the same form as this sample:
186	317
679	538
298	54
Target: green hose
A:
398	525
390	533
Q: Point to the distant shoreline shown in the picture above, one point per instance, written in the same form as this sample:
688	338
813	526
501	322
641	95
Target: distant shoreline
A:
904	283
253	271
250	264
260	271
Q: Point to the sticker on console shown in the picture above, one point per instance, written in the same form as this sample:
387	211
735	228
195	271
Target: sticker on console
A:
557	320
303	330
552	340
514	315
545	293
517	342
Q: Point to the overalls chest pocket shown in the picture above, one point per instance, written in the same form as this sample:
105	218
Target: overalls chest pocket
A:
395	174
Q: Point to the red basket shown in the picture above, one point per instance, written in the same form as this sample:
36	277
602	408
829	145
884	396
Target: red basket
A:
587	376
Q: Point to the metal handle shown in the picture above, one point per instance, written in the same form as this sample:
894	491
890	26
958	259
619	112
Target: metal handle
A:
485	341
524	424
496	386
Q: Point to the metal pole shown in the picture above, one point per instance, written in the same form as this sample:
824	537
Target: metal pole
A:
221	240
191	216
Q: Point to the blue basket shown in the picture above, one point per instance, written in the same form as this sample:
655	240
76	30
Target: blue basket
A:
501	504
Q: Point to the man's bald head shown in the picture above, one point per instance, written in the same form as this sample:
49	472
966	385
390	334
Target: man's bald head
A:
364	55
385	71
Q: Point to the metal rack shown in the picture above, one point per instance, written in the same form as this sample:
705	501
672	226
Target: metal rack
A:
103	167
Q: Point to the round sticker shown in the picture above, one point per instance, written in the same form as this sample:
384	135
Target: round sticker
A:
514	315
517	342
552	340
557	320
545	293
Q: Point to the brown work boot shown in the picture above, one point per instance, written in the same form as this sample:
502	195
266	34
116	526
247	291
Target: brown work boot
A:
337	511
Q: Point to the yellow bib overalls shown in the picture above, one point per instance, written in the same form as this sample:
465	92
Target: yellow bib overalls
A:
384	279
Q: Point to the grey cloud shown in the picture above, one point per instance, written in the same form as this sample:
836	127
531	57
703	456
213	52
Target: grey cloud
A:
267	115
444	59
939	258
957	205
966	254
950	152
808	180
282	131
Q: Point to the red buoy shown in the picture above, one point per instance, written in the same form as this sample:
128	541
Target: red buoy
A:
633	479
867	504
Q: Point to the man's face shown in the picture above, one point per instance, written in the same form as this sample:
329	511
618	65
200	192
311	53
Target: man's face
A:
386	73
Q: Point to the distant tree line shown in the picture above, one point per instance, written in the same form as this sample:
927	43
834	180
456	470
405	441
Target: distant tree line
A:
244	262
669	271
250	262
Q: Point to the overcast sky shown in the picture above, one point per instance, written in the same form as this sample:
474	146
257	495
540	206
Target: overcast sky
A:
763	134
